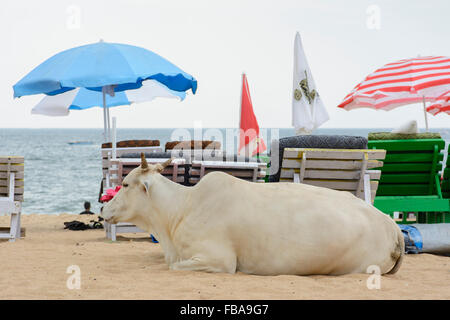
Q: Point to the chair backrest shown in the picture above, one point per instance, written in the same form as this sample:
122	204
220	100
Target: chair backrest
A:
445	186
250	171
122	167
12	176
107	156
309	141
339	169
411	166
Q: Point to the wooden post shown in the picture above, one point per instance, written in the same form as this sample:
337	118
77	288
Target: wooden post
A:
361	181
303	167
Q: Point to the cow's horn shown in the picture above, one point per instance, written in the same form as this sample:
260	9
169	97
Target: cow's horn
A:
144	164
161	166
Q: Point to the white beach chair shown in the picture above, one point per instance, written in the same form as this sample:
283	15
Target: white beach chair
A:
118	171
11	194
111	153
339	169
250	171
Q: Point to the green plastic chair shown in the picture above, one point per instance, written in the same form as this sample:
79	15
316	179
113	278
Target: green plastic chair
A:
445	184
410	180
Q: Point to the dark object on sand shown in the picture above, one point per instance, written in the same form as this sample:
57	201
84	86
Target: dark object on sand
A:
78	225
153	239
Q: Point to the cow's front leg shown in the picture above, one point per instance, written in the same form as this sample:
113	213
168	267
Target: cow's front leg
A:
206	264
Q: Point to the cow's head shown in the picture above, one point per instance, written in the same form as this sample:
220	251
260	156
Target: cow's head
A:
132	200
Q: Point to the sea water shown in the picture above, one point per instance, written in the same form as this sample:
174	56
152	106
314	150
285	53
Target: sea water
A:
60	177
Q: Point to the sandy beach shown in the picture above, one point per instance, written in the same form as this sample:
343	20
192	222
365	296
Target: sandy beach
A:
134	268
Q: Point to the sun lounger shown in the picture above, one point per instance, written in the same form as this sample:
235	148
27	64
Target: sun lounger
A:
195	150
250	171
124	147
11	194
410	180
193	145
445	185
120	168
309	141
339	169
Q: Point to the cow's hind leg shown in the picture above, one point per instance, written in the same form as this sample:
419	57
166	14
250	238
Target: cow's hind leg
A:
206	264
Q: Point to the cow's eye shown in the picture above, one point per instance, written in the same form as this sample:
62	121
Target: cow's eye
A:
125	185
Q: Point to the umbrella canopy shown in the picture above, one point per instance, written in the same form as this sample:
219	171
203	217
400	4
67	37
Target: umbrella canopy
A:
96	65
442	105
308	110
102	67
400	83
82	98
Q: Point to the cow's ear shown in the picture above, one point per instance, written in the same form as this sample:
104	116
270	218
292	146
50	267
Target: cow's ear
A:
146	186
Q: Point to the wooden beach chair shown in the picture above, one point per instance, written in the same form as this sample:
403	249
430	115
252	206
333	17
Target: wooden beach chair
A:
410	180
11	194
339	169
250	171
120	168
195	150
124	147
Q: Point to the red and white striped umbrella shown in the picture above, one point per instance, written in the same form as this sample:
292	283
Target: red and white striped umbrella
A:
442	105
404	82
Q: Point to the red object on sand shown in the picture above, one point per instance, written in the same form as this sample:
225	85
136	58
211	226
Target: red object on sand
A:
110	193
249	133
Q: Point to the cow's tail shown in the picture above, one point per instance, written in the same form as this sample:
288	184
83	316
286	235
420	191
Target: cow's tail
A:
398	253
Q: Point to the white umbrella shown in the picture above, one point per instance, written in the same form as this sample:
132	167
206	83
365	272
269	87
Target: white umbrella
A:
82	98
308	110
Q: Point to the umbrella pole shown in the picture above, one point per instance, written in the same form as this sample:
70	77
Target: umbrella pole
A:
105	125
113	140
108	118
425	113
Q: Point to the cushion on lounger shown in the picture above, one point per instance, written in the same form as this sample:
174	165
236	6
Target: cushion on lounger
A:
402	136
133	143
193	144
158	155
317	141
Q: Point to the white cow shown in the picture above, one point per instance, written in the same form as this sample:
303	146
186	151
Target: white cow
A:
225	224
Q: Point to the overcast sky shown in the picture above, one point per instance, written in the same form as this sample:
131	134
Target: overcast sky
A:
215	41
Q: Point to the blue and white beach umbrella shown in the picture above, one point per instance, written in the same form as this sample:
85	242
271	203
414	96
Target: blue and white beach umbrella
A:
82	98
109	68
